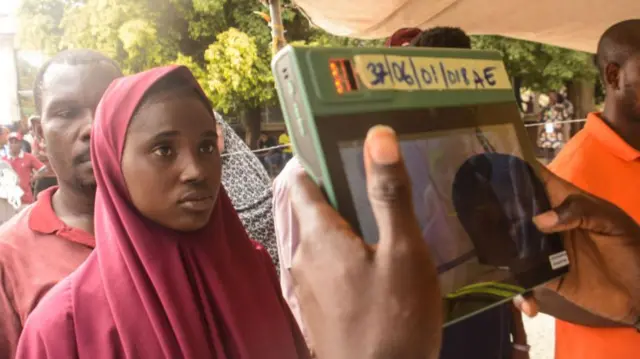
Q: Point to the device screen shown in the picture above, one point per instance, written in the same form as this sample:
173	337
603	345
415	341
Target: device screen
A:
474	197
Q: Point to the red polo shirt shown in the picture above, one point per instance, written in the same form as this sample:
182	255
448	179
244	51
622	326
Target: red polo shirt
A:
599	161
24	164
37	250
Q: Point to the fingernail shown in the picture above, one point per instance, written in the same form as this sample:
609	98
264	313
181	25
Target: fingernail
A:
546	220
518	300
382	145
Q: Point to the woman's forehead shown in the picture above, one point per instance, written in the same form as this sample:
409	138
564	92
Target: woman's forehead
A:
182	113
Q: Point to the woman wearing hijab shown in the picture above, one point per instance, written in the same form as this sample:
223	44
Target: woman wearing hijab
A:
248	185
174	274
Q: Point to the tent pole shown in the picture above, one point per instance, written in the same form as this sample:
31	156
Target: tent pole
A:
277	27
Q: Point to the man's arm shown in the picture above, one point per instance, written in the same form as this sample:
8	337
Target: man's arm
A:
36	166
553	304
286	227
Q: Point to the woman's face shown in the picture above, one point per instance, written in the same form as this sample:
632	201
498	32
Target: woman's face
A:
171	161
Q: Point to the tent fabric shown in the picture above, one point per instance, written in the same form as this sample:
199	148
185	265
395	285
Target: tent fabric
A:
573	24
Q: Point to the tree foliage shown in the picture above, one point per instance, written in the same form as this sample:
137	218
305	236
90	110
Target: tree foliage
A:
233	65
236	75
541	67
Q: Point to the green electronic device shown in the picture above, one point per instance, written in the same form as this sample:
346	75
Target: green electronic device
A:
474	176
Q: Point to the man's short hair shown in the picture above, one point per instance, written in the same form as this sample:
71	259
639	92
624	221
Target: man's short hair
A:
69	57
617	44
449	37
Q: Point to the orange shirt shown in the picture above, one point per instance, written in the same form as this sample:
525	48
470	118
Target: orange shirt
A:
599	161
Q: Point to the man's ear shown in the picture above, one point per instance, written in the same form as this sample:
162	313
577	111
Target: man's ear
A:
612	75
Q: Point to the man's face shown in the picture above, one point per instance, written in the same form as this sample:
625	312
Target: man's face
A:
70	95
15	146
630	88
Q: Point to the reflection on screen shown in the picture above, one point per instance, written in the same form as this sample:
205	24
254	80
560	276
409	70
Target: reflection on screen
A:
454	212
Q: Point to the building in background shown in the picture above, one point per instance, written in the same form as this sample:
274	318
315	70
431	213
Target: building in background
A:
9	104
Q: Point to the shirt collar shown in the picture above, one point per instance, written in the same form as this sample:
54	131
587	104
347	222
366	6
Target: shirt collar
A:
44	220
20	155
607	137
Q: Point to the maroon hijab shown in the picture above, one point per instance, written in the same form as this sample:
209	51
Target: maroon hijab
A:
150	292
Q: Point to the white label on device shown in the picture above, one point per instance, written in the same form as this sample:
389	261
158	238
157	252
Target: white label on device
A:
559	260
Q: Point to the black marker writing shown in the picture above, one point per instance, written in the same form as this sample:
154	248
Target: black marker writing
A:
400	73
477	79
378	70
464	75
489	76
426	76
444	75
435	74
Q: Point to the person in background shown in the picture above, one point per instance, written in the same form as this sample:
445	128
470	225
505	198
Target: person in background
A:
552	135
22	128
27	131
604	159
10	192
287	152
402	37
50	238
249	186
48	177
270	156
4	141
26	165
490	333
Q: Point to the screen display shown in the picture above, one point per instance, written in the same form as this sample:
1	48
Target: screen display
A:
474	197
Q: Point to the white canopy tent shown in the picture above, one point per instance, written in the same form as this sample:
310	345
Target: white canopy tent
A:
574	24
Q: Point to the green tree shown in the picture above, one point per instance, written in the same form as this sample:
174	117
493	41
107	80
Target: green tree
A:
543	67
198	72
540	67
238	79
40	27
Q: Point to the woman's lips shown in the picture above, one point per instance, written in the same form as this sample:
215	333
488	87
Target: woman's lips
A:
196	202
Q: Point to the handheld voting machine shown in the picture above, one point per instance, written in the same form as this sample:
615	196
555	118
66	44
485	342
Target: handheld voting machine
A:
473	171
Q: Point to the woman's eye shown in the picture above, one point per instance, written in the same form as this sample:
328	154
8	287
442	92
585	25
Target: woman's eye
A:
163	151
208	148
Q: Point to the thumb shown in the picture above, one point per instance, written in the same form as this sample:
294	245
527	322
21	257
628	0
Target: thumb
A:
576	211
389	187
